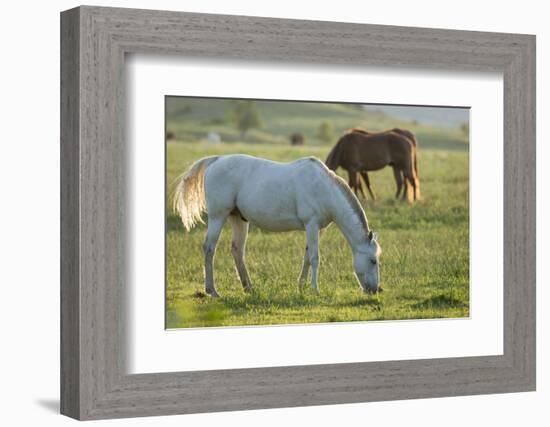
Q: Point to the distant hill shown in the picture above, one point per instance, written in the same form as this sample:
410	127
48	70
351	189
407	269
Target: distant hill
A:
433	116
192	119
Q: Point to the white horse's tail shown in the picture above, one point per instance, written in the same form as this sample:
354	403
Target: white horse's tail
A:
189	197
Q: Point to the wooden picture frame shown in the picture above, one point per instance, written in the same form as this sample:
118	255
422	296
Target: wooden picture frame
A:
94	41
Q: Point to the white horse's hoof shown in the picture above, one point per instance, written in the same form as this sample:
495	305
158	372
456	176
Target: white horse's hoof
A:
371	292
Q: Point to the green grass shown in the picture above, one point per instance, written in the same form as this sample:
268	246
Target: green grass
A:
424	265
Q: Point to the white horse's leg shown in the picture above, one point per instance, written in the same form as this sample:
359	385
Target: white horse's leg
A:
305	270
215	226
238	242
312	236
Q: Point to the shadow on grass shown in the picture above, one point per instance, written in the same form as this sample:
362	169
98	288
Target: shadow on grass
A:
366	301
439	302
301	300
262	301
257	300
200	310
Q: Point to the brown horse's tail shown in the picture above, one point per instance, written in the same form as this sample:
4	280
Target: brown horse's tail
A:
412	138
415	165
416	177
415	143
333	158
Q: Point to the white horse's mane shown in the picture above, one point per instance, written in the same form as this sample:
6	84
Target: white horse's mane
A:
352	201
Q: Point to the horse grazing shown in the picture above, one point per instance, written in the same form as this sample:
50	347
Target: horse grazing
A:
406	133
359	151
301	195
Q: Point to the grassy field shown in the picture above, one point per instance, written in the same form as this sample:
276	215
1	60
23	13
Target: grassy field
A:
189	119
424	266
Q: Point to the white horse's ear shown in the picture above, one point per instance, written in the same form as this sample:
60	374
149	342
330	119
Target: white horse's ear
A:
375	236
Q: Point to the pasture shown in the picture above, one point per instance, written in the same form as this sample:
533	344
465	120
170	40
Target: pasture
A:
424	267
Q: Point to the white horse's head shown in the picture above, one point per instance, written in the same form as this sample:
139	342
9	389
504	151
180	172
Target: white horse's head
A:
366	264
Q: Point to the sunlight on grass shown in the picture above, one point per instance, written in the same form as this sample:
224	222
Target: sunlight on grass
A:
424	265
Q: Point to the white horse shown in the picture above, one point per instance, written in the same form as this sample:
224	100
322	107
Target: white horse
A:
301	195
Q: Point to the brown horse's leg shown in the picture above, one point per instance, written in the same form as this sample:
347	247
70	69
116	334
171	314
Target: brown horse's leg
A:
398	181
417	186
409	176
359	185
405	195
367	183
352	182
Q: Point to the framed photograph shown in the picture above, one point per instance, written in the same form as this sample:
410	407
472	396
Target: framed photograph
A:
218	130
262	213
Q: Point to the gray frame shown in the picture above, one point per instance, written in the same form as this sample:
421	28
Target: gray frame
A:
94	383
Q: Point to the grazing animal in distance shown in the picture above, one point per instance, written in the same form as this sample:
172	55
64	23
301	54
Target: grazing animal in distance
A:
301	195
359	151
297	139
358	188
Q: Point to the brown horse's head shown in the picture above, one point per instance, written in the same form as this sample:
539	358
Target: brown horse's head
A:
333	158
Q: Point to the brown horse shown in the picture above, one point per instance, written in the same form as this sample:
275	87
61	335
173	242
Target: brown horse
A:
360	151
357	183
